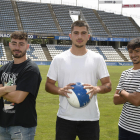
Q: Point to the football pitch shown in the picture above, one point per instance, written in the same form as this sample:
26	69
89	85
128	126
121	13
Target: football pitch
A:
47	107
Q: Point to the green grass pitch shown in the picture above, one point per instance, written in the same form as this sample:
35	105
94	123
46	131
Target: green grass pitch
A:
47	107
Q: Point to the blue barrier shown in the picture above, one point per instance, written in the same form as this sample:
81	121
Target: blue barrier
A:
4	62
107	63
43	62
119	63
37	62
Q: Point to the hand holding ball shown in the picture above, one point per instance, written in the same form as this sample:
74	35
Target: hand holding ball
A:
78	97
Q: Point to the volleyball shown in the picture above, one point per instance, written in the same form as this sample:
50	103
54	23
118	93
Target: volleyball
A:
78	97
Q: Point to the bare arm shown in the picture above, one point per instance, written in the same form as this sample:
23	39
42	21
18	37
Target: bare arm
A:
16	96
106	85
6	89
133	98
51	88
104	88
10	93
118	99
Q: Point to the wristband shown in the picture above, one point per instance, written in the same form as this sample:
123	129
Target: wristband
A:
120	92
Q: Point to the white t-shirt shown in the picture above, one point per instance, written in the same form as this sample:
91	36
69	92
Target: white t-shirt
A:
67	68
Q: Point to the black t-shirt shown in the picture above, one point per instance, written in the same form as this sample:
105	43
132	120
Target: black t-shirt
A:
27	77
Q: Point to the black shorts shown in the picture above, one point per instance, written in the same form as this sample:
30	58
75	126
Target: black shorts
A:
85	130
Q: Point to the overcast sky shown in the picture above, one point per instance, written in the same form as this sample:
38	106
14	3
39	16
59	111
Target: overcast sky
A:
115	8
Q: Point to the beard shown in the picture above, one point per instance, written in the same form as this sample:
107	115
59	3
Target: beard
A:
18	55
136	62
79	46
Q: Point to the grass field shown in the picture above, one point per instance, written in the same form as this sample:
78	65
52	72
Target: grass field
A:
47	107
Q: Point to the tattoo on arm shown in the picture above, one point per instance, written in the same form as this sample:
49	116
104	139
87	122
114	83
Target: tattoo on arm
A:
106	87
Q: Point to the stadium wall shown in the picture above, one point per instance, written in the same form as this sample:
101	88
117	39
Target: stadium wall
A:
68	38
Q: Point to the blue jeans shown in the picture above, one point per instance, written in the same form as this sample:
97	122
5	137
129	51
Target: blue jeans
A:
127	135
85	130
17	133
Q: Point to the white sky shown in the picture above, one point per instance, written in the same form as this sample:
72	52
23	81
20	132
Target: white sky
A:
115	8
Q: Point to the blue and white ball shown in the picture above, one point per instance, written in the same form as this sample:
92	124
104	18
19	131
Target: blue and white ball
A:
78	97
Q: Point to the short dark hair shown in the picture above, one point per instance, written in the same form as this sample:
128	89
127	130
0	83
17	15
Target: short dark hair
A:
134	43
79	23
19	35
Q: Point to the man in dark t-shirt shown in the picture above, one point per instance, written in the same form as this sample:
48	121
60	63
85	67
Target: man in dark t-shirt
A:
19	84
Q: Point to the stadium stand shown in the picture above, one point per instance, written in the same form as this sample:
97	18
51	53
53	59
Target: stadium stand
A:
92	48
7	17
2	52
108	52
63	17
56	49
65	21
53	19
124	51
36	18
119	26
95	26
35	52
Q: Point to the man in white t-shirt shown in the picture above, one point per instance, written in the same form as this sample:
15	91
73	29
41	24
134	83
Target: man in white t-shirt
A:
128	94
78	64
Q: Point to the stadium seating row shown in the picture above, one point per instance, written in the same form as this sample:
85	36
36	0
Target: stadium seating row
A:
2	52
36	53
119	25
108	52
36	18
7	17
42	18
124	51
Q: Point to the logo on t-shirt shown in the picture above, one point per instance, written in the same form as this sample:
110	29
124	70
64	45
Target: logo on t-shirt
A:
8	80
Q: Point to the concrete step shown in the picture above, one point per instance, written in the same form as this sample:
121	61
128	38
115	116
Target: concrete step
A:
8	53
46	52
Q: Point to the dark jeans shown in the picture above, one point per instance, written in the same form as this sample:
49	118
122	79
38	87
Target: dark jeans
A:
68	130
127	135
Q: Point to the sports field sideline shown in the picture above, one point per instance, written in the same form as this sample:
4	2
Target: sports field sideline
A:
47	106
